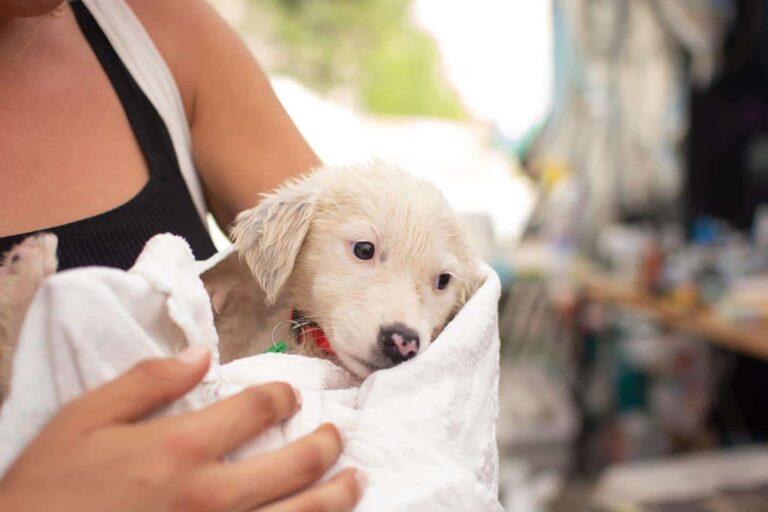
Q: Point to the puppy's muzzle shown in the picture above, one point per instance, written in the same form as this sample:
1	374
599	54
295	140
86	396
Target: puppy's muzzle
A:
398	342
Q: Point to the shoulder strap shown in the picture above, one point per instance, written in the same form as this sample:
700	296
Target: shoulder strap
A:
141	57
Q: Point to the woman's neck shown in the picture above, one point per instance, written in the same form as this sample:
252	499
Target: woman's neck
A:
18	33
29	8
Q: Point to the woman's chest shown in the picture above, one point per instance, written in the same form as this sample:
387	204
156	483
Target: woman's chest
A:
67	150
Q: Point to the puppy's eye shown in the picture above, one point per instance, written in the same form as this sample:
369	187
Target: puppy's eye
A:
363	250
443	280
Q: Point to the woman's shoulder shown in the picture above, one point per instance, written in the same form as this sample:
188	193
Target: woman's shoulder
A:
188	34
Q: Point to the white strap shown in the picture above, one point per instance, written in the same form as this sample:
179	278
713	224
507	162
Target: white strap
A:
135	48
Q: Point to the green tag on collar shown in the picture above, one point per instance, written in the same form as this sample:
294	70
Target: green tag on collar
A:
278	347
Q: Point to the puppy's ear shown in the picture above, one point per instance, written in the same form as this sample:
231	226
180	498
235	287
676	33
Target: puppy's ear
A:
270	235
472	283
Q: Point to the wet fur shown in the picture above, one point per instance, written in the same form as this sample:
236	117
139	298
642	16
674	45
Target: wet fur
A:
296	244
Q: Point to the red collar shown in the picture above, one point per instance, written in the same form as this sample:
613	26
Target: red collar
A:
313	333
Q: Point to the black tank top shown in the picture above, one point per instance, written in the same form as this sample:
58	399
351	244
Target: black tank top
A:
115	238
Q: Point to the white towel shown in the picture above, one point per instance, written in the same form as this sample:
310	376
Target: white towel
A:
423	432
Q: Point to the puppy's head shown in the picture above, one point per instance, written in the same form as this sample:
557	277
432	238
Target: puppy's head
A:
371	254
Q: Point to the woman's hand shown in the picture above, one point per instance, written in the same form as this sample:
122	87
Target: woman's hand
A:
98	454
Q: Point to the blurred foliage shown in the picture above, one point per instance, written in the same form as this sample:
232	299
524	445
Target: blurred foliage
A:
370	48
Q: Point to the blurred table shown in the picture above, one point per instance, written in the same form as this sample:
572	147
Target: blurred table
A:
735	480
707	324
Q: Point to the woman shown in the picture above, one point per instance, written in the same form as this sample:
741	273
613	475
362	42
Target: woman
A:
92	150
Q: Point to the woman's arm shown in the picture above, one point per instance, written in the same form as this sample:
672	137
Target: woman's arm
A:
243	141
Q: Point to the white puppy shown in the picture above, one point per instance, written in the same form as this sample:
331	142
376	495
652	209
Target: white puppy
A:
368	259
367	264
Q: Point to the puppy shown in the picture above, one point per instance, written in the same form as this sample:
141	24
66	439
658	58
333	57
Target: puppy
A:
364	265
368	262
23	269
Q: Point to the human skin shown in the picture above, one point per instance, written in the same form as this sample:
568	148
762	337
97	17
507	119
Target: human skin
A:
68	151
25	8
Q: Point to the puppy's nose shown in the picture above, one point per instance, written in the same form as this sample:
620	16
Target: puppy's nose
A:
398	342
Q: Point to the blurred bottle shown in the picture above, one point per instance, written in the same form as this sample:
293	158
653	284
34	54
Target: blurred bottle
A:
707	237
651	267
760	237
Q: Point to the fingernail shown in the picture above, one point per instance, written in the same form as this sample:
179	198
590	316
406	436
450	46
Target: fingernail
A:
297	393
193	354
362	480
342	436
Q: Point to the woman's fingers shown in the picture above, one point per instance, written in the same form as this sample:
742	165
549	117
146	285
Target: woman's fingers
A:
229	423
135	394
339	494
265	478
192	442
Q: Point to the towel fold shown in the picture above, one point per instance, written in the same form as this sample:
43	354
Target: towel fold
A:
423	431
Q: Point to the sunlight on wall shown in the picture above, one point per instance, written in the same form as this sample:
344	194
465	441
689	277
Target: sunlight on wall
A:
475	176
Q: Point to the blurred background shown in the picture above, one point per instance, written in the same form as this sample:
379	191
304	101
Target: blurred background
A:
611	160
